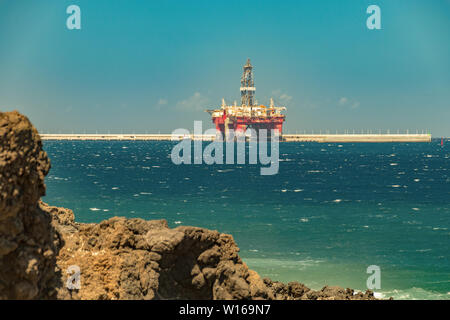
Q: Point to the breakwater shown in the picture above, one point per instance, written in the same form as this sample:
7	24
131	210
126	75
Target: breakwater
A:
285	137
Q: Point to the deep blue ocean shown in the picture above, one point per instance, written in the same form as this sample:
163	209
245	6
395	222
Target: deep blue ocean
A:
330	212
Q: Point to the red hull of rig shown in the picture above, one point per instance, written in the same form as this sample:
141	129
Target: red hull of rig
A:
248	114
240	124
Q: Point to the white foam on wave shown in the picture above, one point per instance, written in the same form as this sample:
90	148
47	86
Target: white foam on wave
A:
282	263
94	209
225	170
378	295
58	178
415	294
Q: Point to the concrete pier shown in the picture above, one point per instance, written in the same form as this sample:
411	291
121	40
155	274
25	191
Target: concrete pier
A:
151	137
286	137
357	137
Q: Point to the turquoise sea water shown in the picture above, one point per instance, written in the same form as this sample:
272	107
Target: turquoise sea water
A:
330	212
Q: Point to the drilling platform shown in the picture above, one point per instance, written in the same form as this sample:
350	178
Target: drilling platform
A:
249	114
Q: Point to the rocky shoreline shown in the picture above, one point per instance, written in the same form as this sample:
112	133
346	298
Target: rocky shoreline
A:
118	258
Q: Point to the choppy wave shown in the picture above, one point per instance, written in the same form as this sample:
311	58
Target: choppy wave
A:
414	294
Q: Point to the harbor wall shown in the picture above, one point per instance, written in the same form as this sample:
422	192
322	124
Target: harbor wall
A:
324	138
357	137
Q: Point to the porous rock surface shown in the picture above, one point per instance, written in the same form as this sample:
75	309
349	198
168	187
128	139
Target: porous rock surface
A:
118	258
28	242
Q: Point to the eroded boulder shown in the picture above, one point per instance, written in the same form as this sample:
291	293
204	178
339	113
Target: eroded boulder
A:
28	241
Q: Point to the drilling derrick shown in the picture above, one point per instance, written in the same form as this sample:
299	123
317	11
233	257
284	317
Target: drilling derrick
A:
247	85
249	114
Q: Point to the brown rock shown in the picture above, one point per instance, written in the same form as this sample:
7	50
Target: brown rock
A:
28	241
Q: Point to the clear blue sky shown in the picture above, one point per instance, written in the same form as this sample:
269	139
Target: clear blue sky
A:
154	66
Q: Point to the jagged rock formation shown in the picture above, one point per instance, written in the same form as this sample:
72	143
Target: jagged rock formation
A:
28	243
137	259
118	258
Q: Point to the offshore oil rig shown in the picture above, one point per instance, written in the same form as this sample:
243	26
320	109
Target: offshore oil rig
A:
249	114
